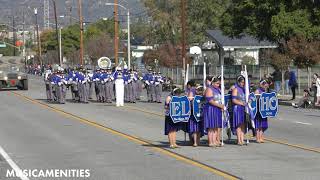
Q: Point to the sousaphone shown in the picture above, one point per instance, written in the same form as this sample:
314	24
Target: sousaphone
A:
104	63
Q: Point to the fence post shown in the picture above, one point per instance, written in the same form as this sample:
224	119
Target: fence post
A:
171	74
260	73
177	76
309	77
282	82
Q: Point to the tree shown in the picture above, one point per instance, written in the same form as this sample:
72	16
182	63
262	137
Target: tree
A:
248	60
272	20
201	15
98	47
288	24
280	60
204	15
304	52
149	56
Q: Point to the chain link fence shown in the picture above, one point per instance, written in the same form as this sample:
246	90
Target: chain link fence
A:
304	76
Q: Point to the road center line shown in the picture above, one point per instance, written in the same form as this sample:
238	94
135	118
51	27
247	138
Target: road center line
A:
13	165
298	122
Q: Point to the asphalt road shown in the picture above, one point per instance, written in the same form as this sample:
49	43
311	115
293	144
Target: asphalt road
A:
128	143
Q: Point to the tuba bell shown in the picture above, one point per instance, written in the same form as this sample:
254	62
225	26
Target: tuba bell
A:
104	63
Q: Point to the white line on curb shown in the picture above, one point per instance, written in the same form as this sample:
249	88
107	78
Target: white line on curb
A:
297	122
13	165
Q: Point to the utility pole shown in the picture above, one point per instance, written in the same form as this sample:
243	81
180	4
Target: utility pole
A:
116	32
46	14
183	21
57	32
70	14
81	30
23	38
14	35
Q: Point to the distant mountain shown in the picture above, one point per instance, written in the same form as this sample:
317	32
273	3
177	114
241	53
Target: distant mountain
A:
92	10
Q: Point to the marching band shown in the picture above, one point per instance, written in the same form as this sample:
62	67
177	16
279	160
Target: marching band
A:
120	85
215	113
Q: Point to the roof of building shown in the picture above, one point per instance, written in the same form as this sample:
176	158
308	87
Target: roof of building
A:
243	41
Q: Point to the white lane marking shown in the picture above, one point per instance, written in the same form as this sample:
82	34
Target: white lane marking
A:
298	122
13	165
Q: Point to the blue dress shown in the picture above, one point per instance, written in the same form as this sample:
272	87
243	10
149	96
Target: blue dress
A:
238	110
260	123
212	114
193	125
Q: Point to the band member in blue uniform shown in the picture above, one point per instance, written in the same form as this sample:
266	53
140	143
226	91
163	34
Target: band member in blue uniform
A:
132	87
147	78
261	123
171	128
109	85
90	83
194	127
96	80
61	88
213	112
126	77
238	101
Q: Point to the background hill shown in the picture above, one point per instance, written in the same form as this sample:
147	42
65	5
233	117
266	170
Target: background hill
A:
92	10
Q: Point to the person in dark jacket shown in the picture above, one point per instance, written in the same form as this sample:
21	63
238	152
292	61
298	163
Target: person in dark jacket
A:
277	78
293	84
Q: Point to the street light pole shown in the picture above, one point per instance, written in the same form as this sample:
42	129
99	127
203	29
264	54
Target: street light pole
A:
38	37
60	47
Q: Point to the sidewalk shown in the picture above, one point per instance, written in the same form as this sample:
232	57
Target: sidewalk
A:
285	100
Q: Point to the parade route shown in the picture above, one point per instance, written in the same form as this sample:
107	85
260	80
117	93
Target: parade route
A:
128	142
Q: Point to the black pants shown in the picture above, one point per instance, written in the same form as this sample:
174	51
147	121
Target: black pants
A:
293	89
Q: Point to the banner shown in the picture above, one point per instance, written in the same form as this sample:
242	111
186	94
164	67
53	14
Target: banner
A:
198	107
253	104
268	105
180	110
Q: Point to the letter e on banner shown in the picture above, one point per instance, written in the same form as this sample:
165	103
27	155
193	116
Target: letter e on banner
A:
180	110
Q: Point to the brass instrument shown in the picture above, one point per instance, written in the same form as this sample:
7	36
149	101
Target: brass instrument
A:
104	63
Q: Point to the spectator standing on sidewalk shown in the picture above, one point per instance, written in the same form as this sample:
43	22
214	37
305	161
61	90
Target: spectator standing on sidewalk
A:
293	84
277	78
286	79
